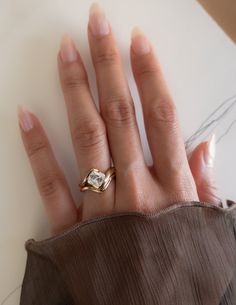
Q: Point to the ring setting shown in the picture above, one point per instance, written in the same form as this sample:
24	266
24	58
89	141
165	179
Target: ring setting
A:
96	180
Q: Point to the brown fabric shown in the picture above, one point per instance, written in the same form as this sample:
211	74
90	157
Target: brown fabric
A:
184	255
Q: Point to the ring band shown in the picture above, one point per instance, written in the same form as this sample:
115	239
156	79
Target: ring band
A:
96	180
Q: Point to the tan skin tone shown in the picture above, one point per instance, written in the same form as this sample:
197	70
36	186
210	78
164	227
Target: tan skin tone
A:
113	133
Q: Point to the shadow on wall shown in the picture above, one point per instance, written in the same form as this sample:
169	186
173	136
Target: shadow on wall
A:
224	13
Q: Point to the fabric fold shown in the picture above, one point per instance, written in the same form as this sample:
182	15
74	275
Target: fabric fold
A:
185	254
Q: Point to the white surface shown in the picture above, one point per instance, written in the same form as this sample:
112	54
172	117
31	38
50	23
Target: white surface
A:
199	62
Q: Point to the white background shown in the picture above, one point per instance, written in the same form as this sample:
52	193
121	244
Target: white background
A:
199	62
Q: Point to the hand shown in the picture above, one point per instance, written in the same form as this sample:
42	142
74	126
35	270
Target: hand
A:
113	133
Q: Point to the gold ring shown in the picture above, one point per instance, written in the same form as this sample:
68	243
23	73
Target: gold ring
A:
96	180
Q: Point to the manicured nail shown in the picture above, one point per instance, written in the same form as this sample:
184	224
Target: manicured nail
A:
211	151
97	21
25	119
68	50
140	44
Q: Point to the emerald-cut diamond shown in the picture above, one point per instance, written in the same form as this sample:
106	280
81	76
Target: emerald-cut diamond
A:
96	178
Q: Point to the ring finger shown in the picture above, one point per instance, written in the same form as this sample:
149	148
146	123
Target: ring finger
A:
161	122
87	127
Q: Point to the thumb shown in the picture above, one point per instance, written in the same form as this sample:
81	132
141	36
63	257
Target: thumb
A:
201	164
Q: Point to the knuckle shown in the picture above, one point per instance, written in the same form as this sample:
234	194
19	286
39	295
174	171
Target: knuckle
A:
108	57
89	135
139	204
74	80
132	171
35	148
181	183
119	112
182	195
162	111
146	70
208	187
50	184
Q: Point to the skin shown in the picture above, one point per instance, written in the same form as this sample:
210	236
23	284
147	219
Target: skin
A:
112	133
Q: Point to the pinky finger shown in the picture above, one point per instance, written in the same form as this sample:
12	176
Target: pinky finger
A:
51	182
201	164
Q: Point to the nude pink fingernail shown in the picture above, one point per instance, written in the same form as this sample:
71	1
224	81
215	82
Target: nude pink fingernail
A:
139	43
211	151
97	21
68	50
25	119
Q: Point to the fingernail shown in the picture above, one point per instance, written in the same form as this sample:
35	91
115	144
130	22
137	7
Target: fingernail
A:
98	21
139	42
211	151
68	50
25	119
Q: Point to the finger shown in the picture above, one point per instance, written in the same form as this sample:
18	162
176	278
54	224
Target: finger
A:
160	117
86	125
51	182
116	104
202	166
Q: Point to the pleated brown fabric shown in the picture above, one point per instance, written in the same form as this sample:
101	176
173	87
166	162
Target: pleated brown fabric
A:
183	255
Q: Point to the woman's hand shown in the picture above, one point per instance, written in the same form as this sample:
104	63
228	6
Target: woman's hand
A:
113	133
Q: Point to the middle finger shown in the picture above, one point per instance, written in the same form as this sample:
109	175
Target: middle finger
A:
116	104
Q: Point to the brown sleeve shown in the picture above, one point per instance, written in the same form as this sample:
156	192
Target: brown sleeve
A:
183	255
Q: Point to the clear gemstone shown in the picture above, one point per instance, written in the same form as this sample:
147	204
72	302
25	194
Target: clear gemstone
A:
96	178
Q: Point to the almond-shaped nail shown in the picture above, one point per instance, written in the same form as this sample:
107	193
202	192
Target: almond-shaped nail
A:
210	151
98	22
25	118
68	50
139	42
